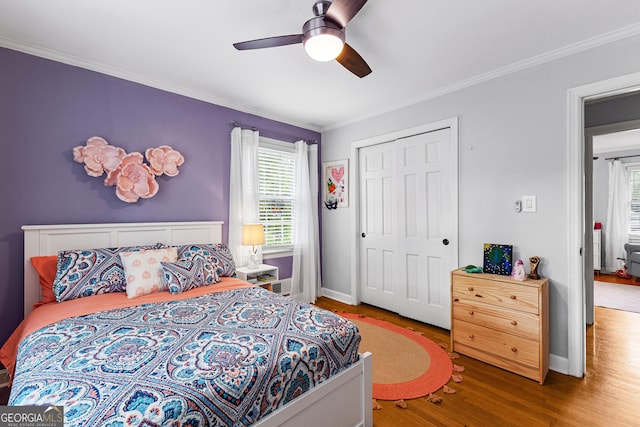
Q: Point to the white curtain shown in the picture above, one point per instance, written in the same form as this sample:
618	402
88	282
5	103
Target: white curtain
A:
314	182
305	278
244	195
617	227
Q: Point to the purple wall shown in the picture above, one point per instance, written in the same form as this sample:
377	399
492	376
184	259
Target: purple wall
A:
285	266
47	108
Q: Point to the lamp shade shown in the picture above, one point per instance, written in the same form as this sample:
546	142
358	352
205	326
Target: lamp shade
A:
252	234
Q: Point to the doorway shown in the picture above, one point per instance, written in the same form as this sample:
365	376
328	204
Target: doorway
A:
578	213
613	141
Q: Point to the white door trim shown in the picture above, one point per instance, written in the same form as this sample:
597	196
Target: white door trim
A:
451	123
576	320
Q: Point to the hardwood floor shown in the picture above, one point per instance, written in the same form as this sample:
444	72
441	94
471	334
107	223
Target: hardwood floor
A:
612	278
608	395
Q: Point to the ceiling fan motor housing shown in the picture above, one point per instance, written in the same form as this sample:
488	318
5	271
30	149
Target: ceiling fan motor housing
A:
316	26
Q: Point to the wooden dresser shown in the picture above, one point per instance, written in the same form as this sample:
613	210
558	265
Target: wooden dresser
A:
501	321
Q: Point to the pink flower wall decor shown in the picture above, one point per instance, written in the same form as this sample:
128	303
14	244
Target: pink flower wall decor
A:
164	159
132	177
98	156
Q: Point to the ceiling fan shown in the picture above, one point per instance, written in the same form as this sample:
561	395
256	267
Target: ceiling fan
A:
323	36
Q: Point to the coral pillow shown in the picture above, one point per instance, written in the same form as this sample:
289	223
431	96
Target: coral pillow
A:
180	276
46	266
143	270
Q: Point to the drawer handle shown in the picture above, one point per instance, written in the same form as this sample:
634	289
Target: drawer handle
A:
471	313
515	350
456	300
513	297
470	288
471	336
514	323
479	296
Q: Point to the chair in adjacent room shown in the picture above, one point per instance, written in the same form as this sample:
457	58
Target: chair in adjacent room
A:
633	259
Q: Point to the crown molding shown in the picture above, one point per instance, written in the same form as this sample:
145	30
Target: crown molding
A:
64	58
574	48
563	52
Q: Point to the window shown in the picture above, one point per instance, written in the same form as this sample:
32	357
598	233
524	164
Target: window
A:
276	175
633	176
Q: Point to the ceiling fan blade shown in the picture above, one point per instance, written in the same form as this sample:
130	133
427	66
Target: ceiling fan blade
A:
352	61
343	11
269	42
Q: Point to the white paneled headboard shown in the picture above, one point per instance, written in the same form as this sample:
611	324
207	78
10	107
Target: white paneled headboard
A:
49	239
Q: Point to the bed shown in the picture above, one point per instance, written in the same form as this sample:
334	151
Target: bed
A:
314	390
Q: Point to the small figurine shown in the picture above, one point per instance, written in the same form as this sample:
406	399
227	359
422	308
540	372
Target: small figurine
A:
534	261
518	271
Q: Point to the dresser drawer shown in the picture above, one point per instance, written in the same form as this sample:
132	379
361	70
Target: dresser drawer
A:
515	322
497	347
504	294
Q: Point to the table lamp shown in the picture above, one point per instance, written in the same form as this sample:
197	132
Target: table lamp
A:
253	234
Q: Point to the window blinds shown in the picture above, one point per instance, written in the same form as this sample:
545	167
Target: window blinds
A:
633	176
276	174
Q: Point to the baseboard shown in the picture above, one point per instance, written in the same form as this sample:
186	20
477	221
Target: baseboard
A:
338	296
559	364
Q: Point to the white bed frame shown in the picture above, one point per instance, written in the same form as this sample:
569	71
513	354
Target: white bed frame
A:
342	400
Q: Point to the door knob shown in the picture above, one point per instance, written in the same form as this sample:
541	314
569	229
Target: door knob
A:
445	242
363	235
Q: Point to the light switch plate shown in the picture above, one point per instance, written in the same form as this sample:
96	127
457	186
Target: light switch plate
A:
529	204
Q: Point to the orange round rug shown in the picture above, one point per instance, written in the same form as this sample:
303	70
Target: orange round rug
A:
406	365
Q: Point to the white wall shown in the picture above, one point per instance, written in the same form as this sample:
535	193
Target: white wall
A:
512	142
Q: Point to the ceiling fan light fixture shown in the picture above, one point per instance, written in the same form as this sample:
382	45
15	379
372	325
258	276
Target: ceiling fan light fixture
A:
323	41
323	36
323	47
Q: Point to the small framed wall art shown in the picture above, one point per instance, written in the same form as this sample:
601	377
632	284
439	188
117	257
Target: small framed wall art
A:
497	259
335	183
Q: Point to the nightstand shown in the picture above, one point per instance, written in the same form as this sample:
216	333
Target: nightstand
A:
265	275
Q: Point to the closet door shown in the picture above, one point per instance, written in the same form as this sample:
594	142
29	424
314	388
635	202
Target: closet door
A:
425	220
408	226
378	226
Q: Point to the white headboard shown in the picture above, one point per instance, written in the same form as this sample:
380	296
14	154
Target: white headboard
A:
49	239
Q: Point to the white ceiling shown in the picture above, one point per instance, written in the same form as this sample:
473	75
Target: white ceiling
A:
416	48
617	141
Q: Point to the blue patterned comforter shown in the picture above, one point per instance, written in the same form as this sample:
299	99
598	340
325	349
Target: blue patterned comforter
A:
227	358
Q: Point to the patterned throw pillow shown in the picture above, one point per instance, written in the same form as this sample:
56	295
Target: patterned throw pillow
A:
143	270
224	260
180	276
86	272
216	257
